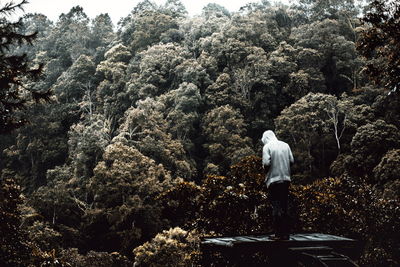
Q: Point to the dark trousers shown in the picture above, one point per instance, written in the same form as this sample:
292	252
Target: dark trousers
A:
278	196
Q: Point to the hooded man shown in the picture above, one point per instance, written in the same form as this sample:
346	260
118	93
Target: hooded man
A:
277	156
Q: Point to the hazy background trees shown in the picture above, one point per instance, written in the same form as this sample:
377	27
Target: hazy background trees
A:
155	124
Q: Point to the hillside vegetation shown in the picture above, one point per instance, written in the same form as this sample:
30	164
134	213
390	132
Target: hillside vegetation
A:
149	133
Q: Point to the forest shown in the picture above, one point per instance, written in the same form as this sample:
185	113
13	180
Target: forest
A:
125	144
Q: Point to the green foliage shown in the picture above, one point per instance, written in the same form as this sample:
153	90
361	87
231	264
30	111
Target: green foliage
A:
110	96
150	24
14	71
73	83
337	52
14	250
156	70
234	204
71	257
387	169
154	126
175	247
370	144
386	174
87	142
237	204
379	42
124	187
351	208
320	9
311	123
146	129
224	131
40	145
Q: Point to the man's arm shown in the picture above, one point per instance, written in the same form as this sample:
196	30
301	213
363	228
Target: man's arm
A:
291	159
266	156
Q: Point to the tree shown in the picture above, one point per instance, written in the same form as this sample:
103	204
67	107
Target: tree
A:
149	24
102	33
223	92
73	83
146	128
124	187
387	174
313	10
224	130
14	71
338	57
369	145
112	98
175	8
71	36
313	124
87	142
182	112
41	144
196	28
156	70
32	23
60	203
379	42
214	10
72	257
173	247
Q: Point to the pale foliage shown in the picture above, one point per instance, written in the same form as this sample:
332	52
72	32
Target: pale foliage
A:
174	247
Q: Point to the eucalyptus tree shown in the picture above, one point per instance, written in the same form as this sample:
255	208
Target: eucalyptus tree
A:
212	20
174	8
69	37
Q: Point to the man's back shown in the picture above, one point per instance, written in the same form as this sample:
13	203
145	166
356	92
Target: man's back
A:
278	156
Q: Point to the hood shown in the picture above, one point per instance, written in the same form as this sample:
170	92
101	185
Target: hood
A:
268	136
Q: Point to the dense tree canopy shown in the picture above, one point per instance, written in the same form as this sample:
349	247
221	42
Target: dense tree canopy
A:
152	135
379	42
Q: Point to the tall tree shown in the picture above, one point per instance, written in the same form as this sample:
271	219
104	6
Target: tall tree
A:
102	33
14	70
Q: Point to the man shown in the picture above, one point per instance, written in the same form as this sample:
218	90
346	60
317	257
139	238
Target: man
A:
277	156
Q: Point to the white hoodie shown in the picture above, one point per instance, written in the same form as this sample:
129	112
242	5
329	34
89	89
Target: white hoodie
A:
278	156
